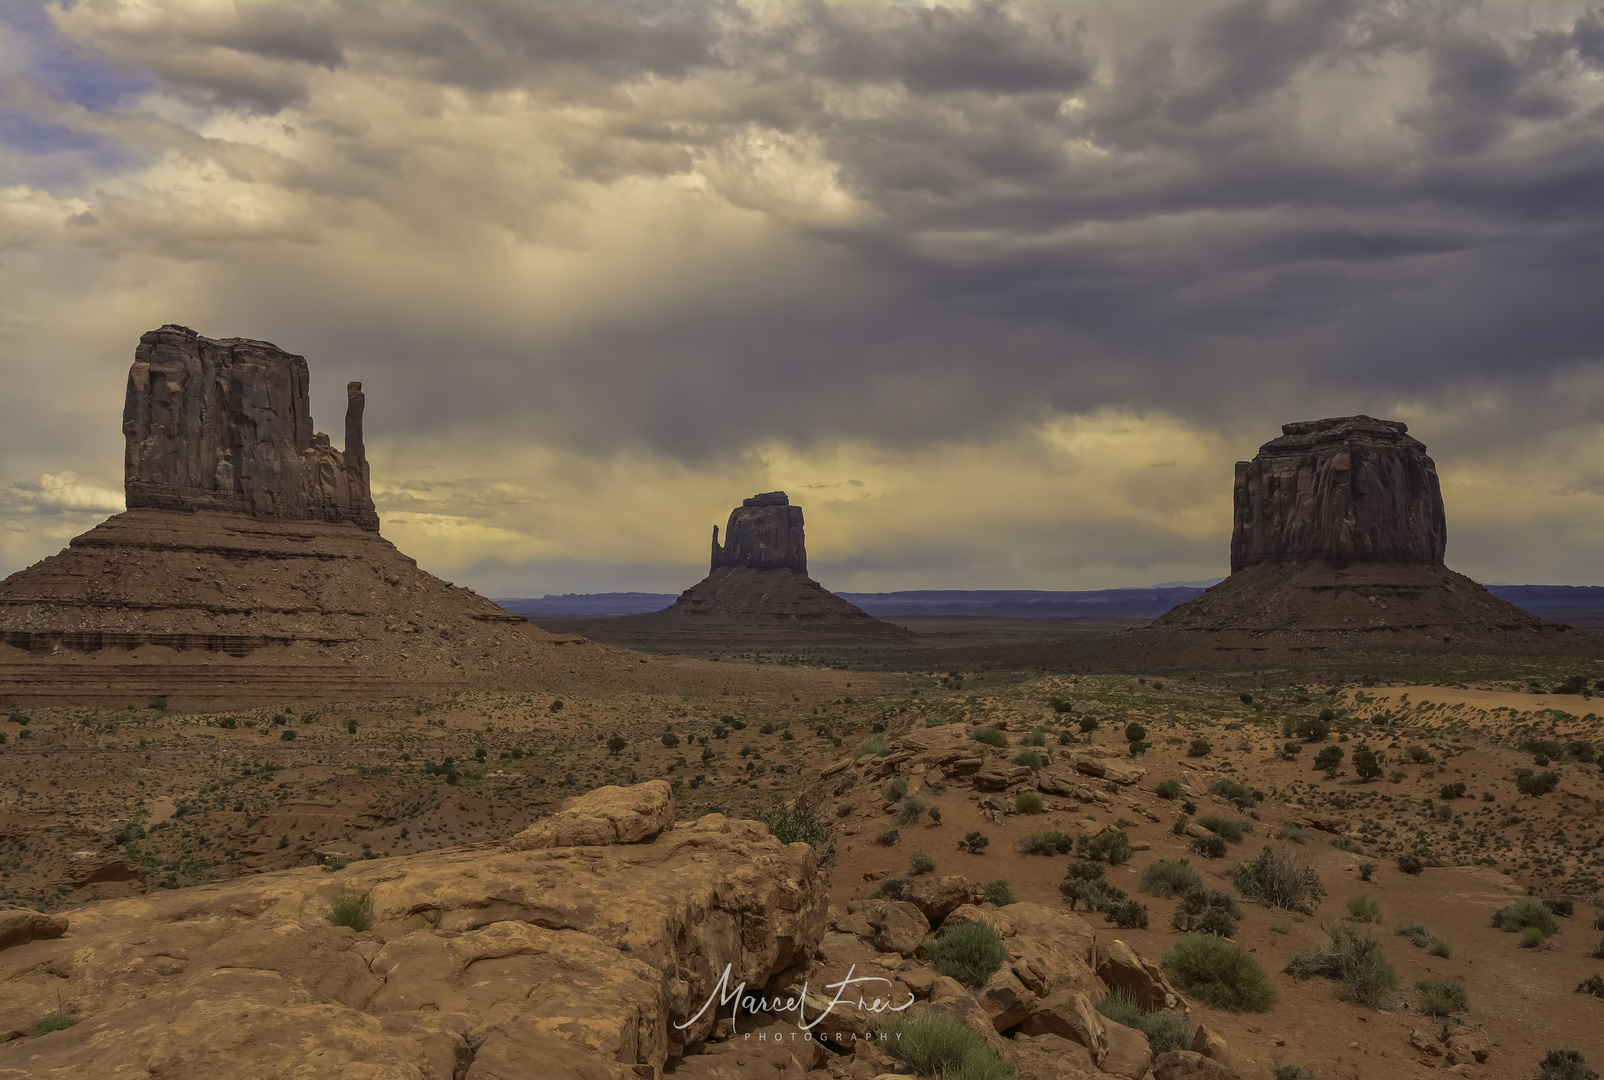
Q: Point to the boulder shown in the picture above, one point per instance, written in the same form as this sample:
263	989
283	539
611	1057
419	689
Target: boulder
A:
1128	1052
897	926
1190	1065
1001	776
1120	968
1050	1057
20	925
939	897
1118	770
1072	1015
1050	950
1006	1000
1207	1041
1465	1048
608	815
950	999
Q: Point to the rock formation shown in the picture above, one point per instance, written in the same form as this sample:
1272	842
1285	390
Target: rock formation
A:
227	425
1337	540
249	564
757	590
1341	491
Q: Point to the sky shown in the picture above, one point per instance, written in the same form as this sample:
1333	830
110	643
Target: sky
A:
998	292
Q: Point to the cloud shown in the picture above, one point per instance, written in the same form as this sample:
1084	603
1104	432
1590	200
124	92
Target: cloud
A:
652	243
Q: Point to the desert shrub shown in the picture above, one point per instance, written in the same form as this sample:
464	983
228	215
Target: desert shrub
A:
1531	937
1411	864
56	1021
1364	907
1089	724
1524	913
1439	947
1295	833
1598	921
1291	750
998	892
1199	748
1356	960
888	838
800	824
1049	842
1168	789
1416	932
1220	974
1455	790
1560	906
876	745
1366	763
351	909
974	842
1211	846
1084	884
1441	997
1113	845
910	810
1528	783
1135	732
1280	879
1029	759
1293	1072
1205	911
1564	1065
1034	737
1233	829
1367	871
1593	984
990	736
933	1045
1245	797
920	863
1329	758
1028	802
894	888
1597	952
897	788
1129	915
1166	878
1164	1029
970	952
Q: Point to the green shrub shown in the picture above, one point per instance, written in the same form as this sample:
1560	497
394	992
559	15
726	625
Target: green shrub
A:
1084	884
799	824
974	842
1564	1065
1211	846
990	736
997	892
889	838
56	1021
876	745
1089	724
1439	947
1034	737
1293	1072
1524	913
1244	797
1295	833
921	863
894	888
1539	784
1364	907
1356	960
1366	763
1329	759
1164	1029
1165	878
1169	789
897	788
1199	748
970	952
1233	829
1560	906
1452	791
1411	864
1049	842
1112	845
1291	750
1129	915
1220	974
1532	936
1593	984
351	909
1030	759
1028	802
933	1045
1416	932
1205	911
1441	997
1135	732
909	810
1280	879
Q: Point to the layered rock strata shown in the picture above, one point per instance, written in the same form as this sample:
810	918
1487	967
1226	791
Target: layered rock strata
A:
248	566
757	590
589	960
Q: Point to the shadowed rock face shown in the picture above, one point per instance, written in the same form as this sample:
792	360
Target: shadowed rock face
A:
1340	491
763	533
227	425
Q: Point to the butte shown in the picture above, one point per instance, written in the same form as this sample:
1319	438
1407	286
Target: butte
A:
1337	542
757	590
248	565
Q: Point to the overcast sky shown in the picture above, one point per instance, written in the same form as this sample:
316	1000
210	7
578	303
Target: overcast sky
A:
997	292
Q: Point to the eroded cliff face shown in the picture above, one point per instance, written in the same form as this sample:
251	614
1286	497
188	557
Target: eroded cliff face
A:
763	533
227	425
1341	491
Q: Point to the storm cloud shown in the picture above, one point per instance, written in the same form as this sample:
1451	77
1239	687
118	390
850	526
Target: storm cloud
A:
999	290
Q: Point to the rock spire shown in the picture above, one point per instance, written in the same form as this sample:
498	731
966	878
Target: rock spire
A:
763	533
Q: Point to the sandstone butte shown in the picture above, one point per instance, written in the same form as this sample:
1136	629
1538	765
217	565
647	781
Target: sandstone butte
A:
583	947
1337	540
248	566
757	590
